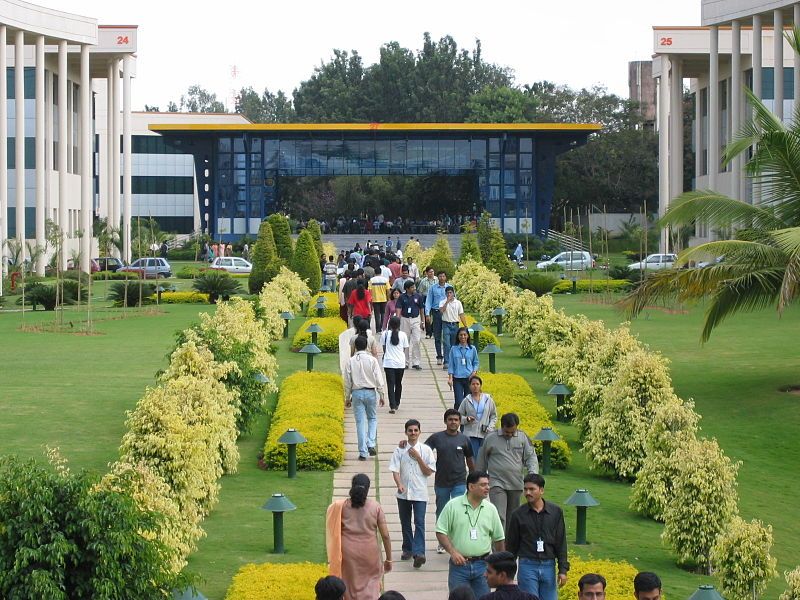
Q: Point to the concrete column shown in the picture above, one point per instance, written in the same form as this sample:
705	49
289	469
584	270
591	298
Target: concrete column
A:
108	151
713	108
698	133
676	128
796	57
40	166
778	54
115	157
736	103
3	149
48	145
87	185
663	146
19	141
127	66
758	60
63	148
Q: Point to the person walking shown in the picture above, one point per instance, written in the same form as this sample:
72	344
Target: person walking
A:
246	253
362	329
411	465
536	534
400	282
647	586
394	343
423	288
462	364
410	309
391	308
351	526
330	272
379	288
363	384
360	301
478	413
436	295
504	454
467	529
451	313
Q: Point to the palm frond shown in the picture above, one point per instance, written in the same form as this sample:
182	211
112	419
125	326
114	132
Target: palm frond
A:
738	252
788	241
718	210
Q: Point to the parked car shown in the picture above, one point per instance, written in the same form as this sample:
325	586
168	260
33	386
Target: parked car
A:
654	262
569	261
109	263
94	265
232	264
149	268
710	263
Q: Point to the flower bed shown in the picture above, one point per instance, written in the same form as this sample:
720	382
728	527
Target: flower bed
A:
619	577
487	337
327	340
181	298
331	304
596	286
269	581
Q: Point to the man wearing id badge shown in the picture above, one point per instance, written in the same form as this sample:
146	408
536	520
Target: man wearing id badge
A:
536	534
467	528
410	309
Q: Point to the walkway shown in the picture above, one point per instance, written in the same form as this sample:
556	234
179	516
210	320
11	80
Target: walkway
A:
423	402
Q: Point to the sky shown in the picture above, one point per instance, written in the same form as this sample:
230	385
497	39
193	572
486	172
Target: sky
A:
276	45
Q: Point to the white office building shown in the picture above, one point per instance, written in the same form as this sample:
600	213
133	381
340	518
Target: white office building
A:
735	46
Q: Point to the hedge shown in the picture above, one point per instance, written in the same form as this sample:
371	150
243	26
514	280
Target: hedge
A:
115	275
269	580
486	337
312	403
597	286
331	304
181	298
512	393
327	340
619	577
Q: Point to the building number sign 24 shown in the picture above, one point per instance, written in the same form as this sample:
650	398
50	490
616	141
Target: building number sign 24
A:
123	40
665	41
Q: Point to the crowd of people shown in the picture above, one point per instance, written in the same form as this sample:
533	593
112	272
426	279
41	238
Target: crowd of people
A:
379	224
213	250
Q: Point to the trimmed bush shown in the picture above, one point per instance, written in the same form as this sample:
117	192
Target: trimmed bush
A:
129	293
181	298
442	257
115	275
331	304
282	234
539	283
742	562
512	393
597	286
792	592
216	284
328	340
316	233
270	580
619	577
497	260
306	261
469	248
321	421
266	261
486	336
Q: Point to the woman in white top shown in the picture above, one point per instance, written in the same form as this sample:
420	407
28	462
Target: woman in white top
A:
478	414
394	344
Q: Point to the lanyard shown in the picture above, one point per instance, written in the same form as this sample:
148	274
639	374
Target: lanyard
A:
477	517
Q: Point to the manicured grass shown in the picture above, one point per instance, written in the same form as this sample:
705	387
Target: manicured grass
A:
735	381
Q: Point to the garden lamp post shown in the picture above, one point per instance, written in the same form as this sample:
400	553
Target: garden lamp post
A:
188	593
560	391
499	312
277	505
491	350
310	350
581	499
314	330
320	306
261	378
706	592
574	284
291	438
547	436
286	316
476	329
304	301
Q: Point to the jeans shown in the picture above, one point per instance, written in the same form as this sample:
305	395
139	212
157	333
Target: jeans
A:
445	494
449	331
476	444
412	542
460	390
538	577
378	308
471	574
505	501
364	410
428	326
394	383
436	317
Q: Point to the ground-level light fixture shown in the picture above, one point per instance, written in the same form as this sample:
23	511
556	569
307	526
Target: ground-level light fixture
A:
277	505
291	438
582	500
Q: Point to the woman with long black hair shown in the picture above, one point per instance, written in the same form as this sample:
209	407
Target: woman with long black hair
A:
394	343
360	301
462	363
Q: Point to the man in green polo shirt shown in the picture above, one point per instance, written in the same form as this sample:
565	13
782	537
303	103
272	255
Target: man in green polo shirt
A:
467	527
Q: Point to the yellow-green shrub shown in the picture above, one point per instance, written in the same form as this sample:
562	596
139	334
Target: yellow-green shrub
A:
270	581
471	280
618	574
327	340
792	592
526	311
512	393
486	336
741	559
312	403
596	286
331	304
181	298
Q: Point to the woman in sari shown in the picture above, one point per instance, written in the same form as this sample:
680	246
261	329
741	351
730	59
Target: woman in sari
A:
351	542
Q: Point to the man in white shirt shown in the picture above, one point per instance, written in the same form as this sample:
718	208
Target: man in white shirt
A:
411	466
363	384
452	313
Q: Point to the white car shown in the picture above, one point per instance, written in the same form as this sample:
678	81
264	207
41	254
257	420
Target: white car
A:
232	264
654	262
569	261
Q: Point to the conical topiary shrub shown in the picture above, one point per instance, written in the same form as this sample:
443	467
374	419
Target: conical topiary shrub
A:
282	234
442	259
469	248
266	262
306	263
316	232
497	260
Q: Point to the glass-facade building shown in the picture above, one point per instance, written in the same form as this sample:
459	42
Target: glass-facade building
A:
239	168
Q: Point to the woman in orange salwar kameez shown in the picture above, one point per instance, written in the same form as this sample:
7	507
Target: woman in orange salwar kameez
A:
353	552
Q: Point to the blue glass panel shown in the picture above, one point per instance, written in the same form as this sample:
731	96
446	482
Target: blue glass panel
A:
223	161
447	154
271	154
398	154
768	83
255	145
494	144
239	161
224	144
414	154
511	146
430	153
510	161
477	154
494	161
382	154
319	154
367	154
509	177
526	145
238	144
525	177
526	161
525	192
287	154
303	157
494	192
509	191
352	155
462	154
494	177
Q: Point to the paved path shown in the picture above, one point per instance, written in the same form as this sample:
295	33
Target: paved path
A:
424	395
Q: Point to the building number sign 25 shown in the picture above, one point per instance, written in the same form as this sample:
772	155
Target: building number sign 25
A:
123	40
665	41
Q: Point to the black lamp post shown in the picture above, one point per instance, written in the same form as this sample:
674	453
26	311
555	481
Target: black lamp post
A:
261	378
547	436
706	592
291	438
286	316
188	593
277	505
581	499
320	306
476	329
310	350
314	330
560	391
491	350
499	312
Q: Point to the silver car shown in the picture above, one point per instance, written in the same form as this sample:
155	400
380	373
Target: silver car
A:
654	262
232	264
150	268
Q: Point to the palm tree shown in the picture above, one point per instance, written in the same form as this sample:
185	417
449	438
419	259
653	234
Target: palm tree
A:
761	267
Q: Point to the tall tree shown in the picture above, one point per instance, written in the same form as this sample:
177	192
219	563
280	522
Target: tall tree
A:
198	99
266	108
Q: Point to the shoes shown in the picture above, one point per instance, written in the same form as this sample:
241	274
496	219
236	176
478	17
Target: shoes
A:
372	452
440	549
444	367
419	560
438	361
391	411
405	556
362	457
417	368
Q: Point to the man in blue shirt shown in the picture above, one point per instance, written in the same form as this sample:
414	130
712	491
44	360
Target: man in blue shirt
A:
436	295
410	308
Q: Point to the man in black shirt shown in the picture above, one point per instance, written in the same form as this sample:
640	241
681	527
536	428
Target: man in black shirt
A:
500	570
410	309
537	535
